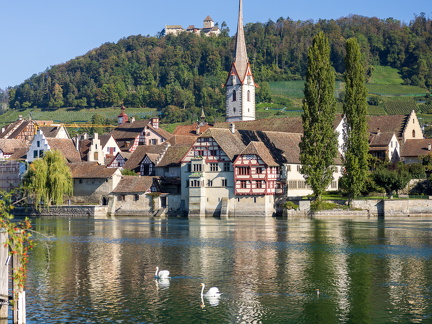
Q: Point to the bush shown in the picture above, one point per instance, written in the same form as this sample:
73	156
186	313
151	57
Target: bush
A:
291	205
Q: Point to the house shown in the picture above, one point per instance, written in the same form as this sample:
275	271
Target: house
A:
41	144
133	196
144	159
22	129
130	135
93	182
91	149
414	149
384	146
54	131
9	146
119	160
230	172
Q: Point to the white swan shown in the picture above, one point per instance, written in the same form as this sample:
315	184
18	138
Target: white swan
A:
212	292
163	274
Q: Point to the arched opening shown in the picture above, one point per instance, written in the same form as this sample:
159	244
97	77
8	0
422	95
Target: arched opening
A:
234	95
413	133
248	95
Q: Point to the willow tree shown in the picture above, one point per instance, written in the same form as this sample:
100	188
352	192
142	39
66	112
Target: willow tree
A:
356	145
49	179
318	147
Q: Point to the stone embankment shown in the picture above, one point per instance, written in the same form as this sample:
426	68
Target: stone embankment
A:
87	211
370	208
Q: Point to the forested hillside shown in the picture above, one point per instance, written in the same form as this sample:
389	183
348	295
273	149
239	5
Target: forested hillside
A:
188	70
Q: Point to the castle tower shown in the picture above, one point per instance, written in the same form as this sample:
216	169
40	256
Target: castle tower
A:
240	85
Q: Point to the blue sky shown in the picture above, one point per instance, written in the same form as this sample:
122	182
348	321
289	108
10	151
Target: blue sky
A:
38	34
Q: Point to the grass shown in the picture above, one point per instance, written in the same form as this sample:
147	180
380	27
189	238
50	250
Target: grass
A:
395	90
70	116
385	75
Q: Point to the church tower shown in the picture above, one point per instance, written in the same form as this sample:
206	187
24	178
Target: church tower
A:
240	85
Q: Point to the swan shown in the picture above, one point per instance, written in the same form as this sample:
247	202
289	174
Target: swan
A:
212	292
163	274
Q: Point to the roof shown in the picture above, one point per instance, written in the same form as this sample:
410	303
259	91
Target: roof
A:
416	147
230	143
387	124
190	130
129	131
90	170
380	139
9	146
84	148
208	18
134	184
259	148
137	156
14	129
66	147
287	124
104	139
173	27
51	131
173	156
182	140
19	154
241	59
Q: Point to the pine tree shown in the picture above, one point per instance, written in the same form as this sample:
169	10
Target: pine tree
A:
49	179
356	145
318	147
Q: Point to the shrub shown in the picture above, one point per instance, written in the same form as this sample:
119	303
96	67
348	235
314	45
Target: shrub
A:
291	205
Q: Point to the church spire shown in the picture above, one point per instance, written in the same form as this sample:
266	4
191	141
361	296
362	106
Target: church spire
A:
241	59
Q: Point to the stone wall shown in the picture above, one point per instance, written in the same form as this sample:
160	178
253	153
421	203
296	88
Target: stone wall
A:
63	211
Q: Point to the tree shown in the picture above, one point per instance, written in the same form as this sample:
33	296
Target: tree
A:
356	145
48	180
318	147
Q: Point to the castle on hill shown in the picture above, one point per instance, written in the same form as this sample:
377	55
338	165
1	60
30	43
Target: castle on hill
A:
208	29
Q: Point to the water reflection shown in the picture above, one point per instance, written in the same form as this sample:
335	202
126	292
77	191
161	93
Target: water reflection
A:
269	270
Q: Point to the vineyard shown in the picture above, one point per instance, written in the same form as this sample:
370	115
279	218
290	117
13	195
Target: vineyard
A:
400	107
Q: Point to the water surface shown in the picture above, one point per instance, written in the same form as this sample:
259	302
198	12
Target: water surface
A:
269	270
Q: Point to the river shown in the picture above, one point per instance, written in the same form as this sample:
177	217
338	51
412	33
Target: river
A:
268	270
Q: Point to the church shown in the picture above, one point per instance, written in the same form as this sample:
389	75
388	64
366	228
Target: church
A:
240	85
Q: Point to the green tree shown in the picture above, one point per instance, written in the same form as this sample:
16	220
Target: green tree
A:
48	180
355	108
318	147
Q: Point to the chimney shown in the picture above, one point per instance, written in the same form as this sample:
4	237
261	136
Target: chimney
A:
77	138
20	117
232	128
429	146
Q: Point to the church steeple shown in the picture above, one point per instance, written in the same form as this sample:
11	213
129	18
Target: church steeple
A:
241	60
240	86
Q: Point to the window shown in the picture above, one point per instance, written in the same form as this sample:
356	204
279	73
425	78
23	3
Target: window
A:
41	153
298	168
248	95
259	184
136	197
243	184
195	183
197	167
288	168
213	152
226	166
214	167
243	170
35	154
413	133
224	183
259	170
234	95
38	144
153	141
255	200
292	184
210	183
334	184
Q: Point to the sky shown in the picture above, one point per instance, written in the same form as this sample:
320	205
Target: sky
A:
38	34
